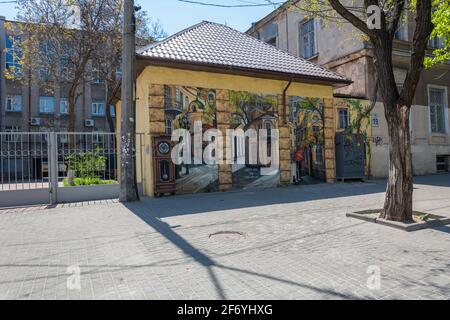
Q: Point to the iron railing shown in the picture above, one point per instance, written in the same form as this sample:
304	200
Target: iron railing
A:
26	160
22	156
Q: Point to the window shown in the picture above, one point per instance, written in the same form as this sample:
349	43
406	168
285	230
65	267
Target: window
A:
343	118
316	129
179	98
64	67
319	154
63	106
169	126
119	73
402	31
307	39
97	77
98	108
270	33
272	41
436	43
13	103
167	97
13	54
98	137
46	105
63	138
112	111
442	163
269	133
12	137
437	100
47	69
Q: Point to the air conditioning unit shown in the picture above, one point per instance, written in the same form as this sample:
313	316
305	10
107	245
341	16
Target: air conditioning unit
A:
35	121
89	123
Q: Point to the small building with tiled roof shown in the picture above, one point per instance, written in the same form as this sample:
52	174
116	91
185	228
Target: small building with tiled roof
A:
219	47
224	61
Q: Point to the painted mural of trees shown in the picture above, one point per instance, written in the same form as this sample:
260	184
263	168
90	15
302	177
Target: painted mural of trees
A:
247	108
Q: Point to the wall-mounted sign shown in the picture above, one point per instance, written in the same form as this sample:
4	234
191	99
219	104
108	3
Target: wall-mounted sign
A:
375	120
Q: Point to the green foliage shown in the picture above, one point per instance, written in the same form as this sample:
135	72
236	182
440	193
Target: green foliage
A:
87	164
247	106
424	217
359	114
87	182
441	21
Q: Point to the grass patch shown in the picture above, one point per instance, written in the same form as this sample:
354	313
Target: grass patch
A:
87	182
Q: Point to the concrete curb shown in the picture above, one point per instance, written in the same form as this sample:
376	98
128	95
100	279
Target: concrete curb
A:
370	216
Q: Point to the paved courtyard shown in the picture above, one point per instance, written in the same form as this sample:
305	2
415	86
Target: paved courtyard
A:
285	243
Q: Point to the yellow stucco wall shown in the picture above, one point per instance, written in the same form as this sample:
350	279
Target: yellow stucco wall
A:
169	76
180	77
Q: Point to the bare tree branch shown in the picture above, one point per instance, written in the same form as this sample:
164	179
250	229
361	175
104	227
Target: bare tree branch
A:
350	17
424	27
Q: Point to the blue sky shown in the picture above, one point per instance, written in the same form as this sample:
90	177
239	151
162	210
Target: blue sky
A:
175	15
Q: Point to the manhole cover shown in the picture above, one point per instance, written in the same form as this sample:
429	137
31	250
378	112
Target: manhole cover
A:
227	235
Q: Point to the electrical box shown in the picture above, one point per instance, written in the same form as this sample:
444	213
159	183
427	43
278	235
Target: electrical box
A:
350	156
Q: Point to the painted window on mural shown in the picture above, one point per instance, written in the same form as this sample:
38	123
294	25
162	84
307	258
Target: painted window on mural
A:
343	118
183	107
306	117
252	111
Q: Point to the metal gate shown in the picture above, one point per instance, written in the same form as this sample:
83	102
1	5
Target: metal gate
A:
24	168
35	167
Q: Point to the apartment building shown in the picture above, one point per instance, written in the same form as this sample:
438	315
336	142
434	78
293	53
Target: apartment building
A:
27	107
341	49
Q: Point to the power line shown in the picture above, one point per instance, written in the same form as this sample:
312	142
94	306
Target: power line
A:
230	5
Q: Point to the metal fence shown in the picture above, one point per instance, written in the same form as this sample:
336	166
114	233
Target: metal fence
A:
45	161
86	154
23	158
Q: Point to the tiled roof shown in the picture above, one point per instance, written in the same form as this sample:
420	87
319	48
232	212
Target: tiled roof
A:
212	44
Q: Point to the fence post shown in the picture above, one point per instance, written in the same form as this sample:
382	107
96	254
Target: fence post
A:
53	167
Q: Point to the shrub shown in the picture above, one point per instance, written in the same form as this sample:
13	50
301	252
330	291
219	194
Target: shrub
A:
87	164
87	182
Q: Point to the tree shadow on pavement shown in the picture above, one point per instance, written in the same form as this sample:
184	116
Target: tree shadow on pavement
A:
142	212
209	202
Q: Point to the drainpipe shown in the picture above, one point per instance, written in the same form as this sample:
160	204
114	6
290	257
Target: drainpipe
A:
285	101
287	30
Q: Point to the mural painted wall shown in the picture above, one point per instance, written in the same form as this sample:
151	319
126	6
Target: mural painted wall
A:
252	111
306	118
183	107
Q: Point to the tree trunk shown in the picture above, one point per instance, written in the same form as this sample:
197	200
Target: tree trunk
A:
110	119
71	100
72	115
399	193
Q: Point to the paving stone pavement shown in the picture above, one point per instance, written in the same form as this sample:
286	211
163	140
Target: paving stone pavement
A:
284	243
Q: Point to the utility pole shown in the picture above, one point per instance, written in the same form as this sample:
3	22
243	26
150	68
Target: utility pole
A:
128	188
